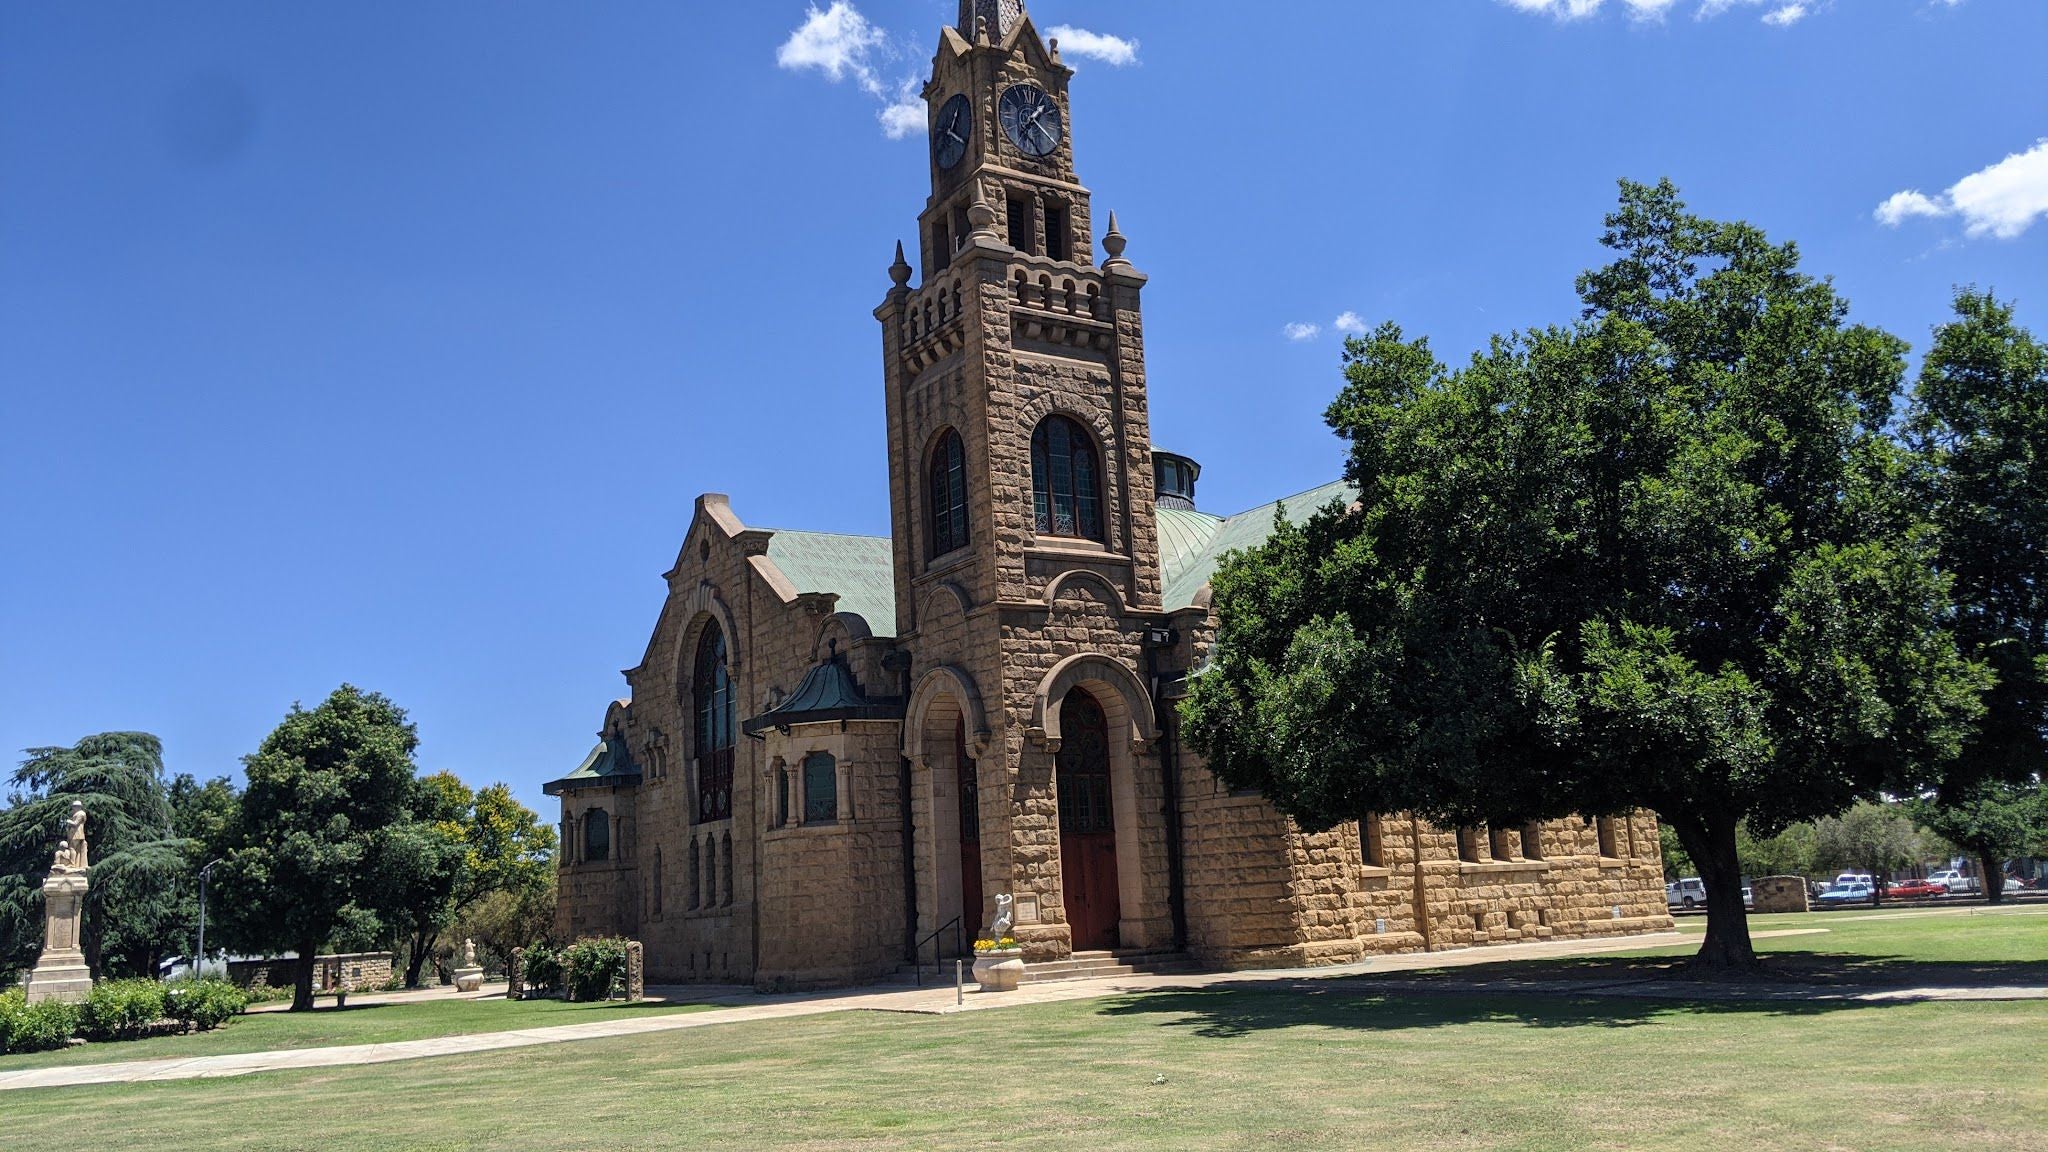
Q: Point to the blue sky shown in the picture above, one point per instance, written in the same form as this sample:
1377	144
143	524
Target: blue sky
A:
390	342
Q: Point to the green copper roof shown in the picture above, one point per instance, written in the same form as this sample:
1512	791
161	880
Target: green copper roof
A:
861	570
828	692
1191	543
606	766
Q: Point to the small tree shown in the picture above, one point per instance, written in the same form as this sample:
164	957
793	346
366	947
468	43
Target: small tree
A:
325	790
1877	838
1992	821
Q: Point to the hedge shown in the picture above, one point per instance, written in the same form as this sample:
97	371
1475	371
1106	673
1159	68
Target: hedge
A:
592	967
35	1027
122	1009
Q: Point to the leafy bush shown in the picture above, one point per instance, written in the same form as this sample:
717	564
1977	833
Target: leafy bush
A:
204	1004
13	1003
593	966
543	971
41	1027
122	1009
266	994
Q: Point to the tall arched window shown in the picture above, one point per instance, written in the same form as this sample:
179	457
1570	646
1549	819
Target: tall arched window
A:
597	836
1066	495
948	495
711	692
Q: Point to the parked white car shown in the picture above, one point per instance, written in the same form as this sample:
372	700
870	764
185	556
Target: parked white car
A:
1691	892
1954	881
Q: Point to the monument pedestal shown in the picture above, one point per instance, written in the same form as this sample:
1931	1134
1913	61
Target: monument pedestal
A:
60	973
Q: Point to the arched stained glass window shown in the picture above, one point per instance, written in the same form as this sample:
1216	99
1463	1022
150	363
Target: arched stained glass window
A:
821	788
948	495
1066	492
597	836
711	693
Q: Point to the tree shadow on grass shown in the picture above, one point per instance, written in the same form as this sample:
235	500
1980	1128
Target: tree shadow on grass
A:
1586	993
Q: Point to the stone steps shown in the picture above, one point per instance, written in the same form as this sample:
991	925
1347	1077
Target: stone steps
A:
1081	966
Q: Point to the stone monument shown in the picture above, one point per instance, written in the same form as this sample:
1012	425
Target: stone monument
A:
60	972
470	976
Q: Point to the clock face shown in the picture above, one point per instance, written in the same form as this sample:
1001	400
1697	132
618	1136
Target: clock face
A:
949	137
1030	119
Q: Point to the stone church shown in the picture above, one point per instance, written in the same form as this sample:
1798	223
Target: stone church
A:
838	750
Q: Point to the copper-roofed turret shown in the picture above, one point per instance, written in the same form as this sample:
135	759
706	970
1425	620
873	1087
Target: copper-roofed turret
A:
1000	15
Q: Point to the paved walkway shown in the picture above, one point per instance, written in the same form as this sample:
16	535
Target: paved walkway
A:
740	1005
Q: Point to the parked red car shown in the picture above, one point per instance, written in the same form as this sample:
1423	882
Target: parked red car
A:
1916	890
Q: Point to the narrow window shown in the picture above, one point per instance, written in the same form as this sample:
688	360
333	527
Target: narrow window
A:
725	866
657	881
710	872
696	873
1065	497
1023	224
821	788
948	497
1608	846
942	245
1532	842
1056	236
1372	845
711	692
597	835
781	795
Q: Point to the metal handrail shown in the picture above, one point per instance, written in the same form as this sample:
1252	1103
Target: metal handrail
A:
917	953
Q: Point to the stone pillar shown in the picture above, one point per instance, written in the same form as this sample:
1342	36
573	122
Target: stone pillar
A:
636	971
60	973
515	975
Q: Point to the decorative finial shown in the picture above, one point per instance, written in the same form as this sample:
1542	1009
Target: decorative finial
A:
981	30
900	270
981	216
1053	46
1113	243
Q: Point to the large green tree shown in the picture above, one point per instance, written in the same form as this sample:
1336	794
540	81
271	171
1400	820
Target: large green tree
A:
300	864
1979	431
1876	837
139	896
1660	557
458	847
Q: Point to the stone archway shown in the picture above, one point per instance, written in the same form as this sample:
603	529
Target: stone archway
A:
1134	844
946	739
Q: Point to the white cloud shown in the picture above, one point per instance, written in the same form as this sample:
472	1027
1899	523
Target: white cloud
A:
1112	50
2002	200
1299	332
903	116
839	42
1782	13
842	44
1349	322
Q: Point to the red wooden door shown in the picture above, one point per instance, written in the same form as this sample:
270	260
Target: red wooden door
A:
970	837
1087	824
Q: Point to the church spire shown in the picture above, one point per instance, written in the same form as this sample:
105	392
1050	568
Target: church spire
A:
1000	15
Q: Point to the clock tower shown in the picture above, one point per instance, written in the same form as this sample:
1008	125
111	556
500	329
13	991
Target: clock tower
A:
1020	469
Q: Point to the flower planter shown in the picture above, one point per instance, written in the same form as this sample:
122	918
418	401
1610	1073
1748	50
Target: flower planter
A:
999	971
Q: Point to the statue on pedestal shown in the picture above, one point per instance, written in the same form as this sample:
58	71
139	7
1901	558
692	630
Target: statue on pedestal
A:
60	972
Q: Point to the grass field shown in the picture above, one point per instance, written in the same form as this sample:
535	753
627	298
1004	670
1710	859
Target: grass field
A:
1340	1067
355	1024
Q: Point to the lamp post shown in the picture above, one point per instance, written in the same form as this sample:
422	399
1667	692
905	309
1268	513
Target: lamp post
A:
199	961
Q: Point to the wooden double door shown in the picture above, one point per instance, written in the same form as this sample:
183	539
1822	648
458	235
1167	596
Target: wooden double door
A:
1088	869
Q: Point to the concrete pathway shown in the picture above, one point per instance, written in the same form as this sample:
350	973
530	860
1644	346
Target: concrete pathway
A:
740	1005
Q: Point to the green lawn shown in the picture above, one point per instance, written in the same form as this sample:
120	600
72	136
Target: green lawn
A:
355	1024
1341	1066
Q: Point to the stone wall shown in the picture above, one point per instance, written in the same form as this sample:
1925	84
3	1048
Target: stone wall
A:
364	971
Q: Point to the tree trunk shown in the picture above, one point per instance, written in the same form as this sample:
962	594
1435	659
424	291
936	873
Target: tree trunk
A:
422	947
302	983
1711	844
1992	869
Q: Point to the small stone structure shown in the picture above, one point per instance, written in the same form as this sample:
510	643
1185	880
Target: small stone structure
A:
470	976
362	970
1779	894
515	975
60	972
636	971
